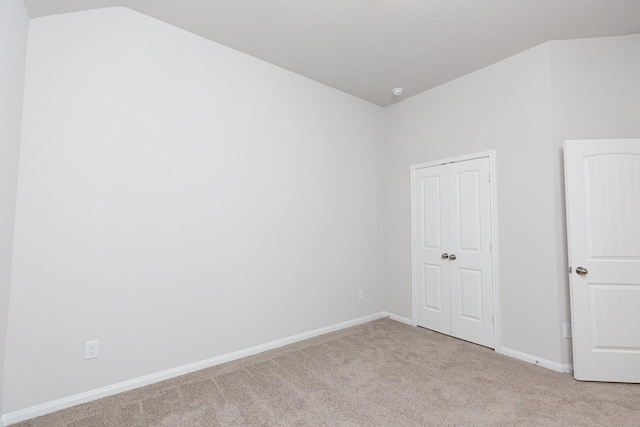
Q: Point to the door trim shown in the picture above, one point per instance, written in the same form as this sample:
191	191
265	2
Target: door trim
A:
491	155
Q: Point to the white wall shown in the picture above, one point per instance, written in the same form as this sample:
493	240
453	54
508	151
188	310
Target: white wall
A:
14	24
505	107
179	200
523	107
596	94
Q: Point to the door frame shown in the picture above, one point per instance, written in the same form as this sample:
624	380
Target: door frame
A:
491	155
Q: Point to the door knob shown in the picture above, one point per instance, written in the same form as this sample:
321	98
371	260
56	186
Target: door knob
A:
445	255
582	271
452	257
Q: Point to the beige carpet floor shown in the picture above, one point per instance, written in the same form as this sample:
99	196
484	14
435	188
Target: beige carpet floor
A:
382	373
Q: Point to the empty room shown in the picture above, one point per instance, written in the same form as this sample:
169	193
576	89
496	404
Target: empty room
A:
331	213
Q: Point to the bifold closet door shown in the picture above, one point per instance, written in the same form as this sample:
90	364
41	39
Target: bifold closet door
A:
453	260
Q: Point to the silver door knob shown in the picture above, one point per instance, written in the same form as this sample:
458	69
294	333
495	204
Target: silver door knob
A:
582	271
452	257
445	255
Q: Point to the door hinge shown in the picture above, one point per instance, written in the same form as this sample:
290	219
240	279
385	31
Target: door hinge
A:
488	177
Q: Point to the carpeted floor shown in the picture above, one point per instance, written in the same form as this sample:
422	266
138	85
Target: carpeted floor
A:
381	373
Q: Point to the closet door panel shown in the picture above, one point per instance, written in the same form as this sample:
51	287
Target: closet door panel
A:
471	272
431	271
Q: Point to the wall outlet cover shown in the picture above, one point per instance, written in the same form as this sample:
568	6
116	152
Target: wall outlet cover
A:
90	350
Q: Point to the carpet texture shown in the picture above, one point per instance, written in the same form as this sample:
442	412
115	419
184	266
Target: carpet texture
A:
382	373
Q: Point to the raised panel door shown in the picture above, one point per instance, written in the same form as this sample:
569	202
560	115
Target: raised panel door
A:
453	266
431	271
470	241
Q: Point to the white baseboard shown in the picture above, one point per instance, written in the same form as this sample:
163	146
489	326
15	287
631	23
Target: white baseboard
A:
397	318
87	396
67	402
559	367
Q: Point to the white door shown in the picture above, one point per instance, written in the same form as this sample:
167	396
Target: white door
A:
602	180
453	266
470	241
431	241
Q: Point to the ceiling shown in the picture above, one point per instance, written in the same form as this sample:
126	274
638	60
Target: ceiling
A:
368	47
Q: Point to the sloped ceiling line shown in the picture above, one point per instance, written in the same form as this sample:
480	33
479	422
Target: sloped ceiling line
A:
368	47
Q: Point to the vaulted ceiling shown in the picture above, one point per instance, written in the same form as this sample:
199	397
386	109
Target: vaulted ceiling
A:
368	47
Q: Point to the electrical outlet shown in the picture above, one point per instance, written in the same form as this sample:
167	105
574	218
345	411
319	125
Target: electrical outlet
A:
90	350
361	295
566	330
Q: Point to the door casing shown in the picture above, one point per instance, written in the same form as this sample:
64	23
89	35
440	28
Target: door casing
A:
491	155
